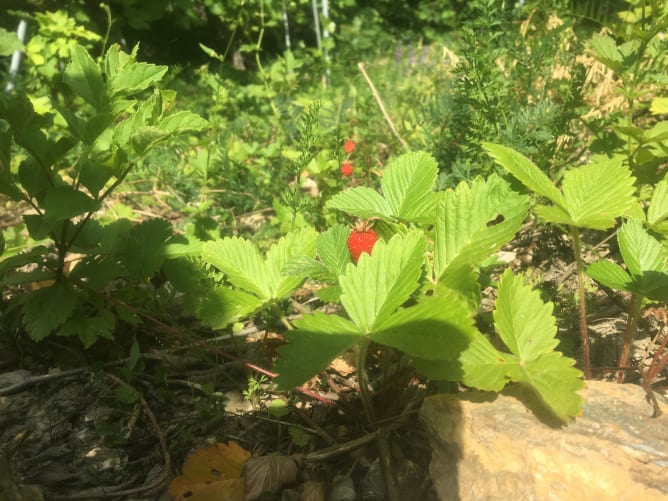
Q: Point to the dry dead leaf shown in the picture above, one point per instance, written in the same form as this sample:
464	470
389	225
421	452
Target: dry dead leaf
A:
267	474
212	474
342	367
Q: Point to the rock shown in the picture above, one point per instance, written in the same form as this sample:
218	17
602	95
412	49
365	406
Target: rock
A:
503	447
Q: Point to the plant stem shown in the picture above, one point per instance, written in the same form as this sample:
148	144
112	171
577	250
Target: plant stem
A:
361	380
582	302
629	334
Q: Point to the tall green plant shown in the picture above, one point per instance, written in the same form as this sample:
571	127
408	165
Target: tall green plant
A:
592	196
111	113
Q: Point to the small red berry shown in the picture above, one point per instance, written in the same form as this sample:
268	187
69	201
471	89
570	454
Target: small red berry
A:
349	146
347	169
362	239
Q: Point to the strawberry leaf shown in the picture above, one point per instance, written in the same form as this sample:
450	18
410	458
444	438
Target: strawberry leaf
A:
474	221
384	280
407	185
599	193
318	339
439	327
361	202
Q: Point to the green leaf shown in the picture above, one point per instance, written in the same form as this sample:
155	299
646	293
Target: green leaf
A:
407	185
294	244
65	202
361	202
438	327
611	275
657	212
245	268
555	380
474	221
90	329
143	248
33	178
605	50
9	42
528	328
659	106
94	177
332	247
183	121
480	366
554	214
224	306
641	251
241	262
526	172
522	320
134	77
599	193
384	280
145	137
318	339
47	309
83	76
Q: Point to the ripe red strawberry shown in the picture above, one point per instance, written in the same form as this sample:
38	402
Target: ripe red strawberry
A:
349	146
347	169
362	239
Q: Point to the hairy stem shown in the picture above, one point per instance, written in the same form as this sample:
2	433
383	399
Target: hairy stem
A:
361	380
629	334
582	300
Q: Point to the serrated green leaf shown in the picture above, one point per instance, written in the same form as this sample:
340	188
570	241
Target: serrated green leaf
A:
606	51
599	193
94	177
134	77
641	251
658	206
183	121
33	178
474	221
611	275
657	133
143	138
361	202
318	339
438	327
384	280
333	250
83	76
556	382
224	306
241	262
65	202
522	320
144	246
407	186
47	309
90	329
554	214
292	245
526	172
480	366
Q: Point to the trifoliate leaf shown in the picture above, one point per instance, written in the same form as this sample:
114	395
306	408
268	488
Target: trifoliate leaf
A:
318	339
223	305
384	280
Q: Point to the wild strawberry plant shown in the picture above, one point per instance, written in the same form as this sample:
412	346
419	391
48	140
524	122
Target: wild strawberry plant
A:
417	291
